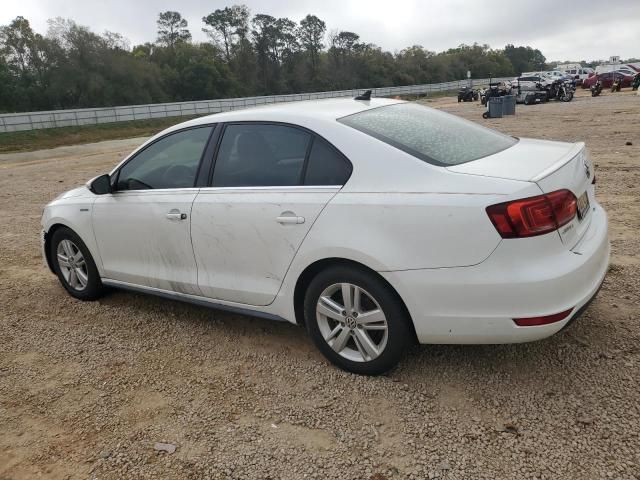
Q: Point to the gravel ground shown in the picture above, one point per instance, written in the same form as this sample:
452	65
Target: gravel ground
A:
88	389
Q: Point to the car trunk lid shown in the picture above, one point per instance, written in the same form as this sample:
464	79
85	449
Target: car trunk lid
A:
552	166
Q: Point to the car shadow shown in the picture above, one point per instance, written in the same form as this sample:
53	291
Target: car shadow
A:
545	360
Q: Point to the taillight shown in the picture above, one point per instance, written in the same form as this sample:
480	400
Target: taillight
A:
533	216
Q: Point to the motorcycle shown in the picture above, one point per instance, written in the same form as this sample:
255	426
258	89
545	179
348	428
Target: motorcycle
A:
596	88
466	94
636	82
560	90
565	91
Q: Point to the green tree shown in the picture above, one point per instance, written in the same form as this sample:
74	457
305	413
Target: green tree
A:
74	67
311	34
275	42
229	26
524	59
172	28
25	56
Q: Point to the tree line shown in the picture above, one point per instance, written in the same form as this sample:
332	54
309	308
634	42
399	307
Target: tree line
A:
246	55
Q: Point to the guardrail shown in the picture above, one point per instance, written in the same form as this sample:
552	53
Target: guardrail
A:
13	122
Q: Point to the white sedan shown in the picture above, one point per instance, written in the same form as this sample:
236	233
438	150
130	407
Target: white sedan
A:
373	223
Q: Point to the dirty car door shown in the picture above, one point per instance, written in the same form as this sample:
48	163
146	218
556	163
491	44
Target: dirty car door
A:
142	228
247	227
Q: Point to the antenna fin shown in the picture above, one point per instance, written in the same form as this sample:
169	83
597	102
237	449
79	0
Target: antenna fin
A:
365	96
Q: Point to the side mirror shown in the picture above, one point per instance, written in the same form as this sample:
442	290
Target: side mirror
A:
101	185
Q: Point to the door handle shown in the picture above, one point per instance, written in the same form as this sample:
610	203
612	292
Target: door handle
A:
289	219
175	215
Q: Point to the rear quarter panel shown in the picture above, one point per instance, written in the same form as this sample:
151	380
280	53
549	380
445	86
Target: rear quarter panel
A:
399	231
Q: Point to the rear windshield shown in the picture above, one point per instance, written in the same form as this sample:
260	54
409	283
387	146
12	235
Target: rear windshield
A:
430	135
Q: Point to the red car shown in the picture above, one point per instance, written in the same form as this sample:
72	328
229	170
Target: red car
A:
607	79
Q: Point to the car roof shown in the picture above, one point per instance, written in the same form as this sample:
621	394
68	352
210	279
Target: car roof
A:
316	115
297	112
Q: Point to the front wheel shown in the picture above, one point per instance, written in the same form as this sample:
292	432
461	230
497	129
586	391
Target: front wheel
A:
356	320
567	97
74	265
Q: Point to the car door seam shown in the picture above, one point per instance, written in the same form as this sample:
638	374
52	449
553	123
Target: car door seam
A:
286	272
93	232
193	250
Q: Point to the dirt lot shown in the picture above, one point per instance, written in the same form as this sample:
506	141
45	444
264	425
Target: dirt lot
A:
87	389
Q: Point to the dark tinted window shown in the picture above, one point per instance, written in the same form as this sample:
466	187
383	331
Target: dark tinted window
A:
256	155
428	134
326	166
171	162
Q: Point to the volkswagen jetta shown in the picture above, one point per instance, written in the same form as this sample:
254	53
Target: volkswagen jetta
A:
373	223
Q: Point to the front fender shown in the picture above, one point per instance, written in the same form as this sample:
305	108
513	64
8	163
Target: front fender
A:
76	214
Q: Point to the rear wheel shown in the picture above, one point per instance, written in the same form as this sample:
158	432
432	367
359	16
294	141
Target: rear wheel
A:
74	265
356	320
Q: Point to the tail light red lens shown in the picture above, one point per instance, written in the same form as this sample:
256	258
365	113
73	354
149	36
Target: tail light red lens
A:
533	216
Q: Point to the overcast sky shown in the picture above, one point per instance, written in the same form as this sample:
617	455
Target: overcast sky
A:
561	29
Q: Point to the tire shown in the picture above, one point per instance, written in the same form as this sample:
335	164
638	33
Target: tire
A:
70	273
567	97
485	115
341	334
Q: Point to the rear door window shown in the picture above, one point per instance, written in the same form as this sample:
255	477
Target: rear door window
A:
260	155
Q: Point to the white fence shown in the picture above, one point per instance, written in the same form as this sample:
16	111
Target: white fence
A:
13	122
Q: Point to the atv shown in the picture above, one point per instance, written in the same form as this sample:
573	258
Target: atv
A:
466	94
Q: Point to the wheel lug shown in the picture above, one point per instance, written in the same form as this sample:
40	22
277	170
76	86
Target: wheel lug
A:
344	313
355	314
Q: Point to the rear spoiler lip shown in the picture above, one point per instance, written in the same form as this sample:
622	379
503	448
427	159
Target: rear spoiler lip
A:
577	148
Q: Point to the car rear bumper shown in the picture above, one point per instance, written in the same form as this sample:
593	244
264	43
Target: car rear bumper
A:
522	278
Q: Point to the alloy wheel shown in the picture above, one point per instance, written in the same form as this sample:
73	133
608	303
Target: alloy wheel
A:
351	322
72	265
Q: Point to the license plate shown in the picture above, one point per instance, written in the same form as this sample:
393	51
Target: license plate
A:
583	206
